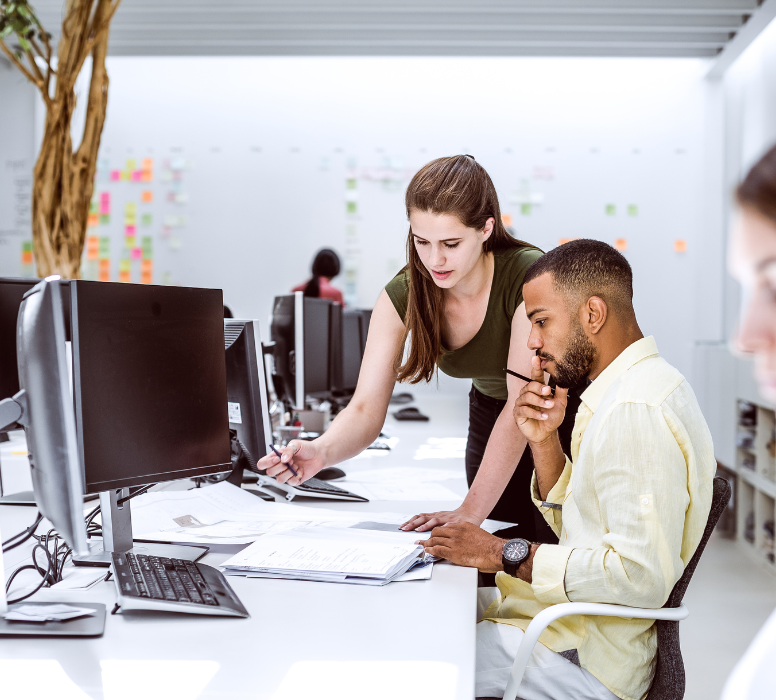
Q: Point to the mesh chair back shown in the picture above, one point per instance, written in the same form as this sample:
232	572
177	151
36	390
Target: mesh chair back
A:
668	683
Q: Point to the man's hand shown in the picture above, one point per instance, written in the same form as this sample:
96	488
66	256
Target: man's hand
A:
466	544
537	413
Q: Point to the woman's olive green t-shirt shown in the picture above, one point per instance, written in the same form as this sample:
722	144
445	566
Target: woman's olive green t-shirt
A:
484	357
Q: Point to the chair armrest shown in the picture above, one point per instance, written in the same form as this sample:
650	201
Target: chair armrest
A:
555	612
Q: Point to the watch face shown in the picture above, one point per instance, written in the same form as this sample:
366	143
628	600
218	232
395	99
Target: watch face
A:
515	550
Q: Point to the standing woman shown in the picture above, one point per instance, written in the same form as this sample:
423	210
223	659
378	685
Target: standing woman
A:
459	303
326	267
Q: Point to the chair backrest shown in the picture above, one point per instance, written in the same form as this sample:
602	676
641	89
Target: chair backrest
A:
669	681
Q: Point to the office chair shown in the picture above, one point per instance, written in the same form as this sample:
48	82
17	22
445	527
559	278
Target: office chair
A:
669	681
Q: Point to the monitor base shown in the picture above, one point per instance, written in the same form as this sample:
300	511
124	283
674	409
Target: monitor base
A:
99	557
27	498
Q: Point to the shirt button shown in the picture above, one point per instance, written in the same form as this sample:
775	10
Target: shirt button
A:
645	501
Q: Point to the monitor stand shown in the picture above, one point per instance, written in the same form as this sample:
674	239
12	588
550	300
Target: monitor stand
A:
117	536
27	498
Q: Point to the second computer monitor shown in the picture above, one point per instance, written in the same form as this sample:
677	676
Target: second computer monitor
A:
300	330
11	293
246	389
353	339
149	383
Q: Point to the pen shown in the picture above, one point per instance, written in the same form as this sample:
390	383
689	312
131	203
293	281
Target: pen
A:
288	464
525	379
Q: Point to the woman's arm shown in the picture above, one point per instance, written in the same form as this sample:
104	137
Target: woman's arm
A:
357	426
504	449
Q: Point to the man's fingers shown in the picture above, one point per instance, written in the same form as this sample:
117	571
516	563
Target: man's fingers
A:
439	551
531	398
528	412
537	373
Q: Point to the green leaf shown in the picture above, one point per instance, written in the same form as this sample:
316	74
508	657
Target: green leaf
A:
24	43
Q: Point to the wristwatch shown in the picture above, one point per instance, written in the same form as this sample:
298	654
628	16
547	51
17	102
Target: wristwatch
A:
514	553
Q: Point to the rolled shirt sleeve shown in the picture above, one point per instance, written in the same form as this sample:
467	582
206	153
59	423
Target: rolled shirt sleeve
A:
552	507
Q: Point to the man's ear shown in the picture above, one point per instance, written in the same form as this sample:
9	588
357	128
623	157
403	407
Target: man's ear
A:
593	315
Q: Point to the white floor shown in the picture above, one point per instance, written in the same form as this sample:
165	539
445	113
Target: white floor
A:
729	599
730	595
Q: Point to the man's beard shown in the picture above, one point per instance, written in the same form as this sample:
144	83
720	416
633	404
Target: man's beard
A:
577	360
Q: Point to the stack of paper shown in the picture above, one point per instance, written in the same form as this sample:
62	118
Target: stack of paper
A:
333	556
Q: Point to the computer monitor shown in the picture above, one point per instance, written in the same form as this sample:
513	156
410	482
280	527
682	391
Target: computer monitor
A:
353	340
12	290
43	405
246	387
300	330
335	351
150	394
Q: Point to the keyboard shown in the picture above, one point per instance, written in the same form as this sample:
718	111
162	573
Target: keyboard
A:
157	583
315	488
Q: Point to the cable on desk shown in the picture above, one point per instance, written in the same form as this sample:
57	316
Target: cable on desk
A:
93	528
22	537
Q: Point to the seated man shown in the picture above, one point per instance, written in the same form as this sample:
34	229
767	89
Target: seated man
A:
629	506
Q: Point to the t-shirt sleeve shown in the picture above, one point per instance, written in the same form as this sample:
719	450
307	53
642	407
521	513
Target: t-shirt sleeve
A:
517	266
398	290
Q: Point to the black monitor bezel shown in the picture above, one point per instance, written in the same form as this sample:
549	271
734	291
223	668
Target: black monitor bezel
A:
124	482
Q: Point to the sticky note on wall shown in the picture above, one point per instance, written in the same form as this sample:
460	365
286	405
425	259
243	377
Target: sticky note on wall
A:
633	210
506	219
621	244
610	209
147	196
680	245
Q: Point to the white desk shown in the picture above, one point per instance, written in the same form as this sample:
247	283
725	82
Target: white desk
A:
291	621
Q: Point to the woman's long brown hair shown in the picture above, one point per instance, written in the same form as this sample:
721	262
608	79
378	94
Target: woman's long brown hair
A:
455	185
758	190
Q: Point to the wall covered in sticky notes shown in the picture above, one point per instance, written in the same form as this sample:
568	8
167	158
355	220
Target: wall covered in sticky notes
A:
241	196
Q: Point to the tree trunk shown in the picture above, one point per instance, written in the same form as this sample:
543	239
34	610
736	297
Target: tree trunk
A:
63	181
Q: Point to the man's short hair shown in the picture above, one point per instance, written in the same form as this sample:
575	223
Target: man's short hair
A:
585	268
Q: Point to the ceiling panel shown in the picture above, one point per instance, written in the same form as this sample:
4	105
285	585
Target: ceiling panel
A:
686	28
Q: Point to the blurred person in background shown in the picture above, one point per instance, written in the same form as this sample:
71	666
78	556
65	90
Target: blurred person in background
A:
326	267
752	261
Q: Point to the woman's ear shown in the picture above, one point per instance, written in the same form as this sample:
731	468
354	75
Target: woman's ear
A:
488	230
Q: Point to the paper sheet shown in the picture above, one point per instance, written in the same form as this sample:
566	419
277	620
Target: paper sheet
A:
327	555
226	514
45	612
392	475
403	491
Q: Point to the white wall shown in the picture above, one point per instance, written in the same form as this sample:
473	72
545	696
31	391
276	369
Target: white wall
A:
17	98
271	142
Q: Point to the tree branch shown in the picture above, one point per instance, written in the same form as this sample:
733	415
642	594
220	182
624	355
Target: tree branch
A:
99	25
10	54
40	79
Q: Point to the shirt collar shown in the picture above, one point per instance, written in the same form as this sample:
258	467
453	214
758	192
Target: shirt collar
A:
635	352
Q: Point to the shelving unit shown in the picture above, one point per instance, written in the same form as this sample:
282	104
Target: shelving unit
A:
756	484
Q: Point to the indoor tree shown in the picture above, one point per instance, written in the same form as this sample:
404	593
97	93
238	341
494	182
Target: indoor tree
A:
63	179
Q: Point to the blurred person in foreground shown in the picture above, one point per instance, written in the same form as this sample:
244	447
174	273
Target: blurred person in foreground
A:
752	261
326	266
629	504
